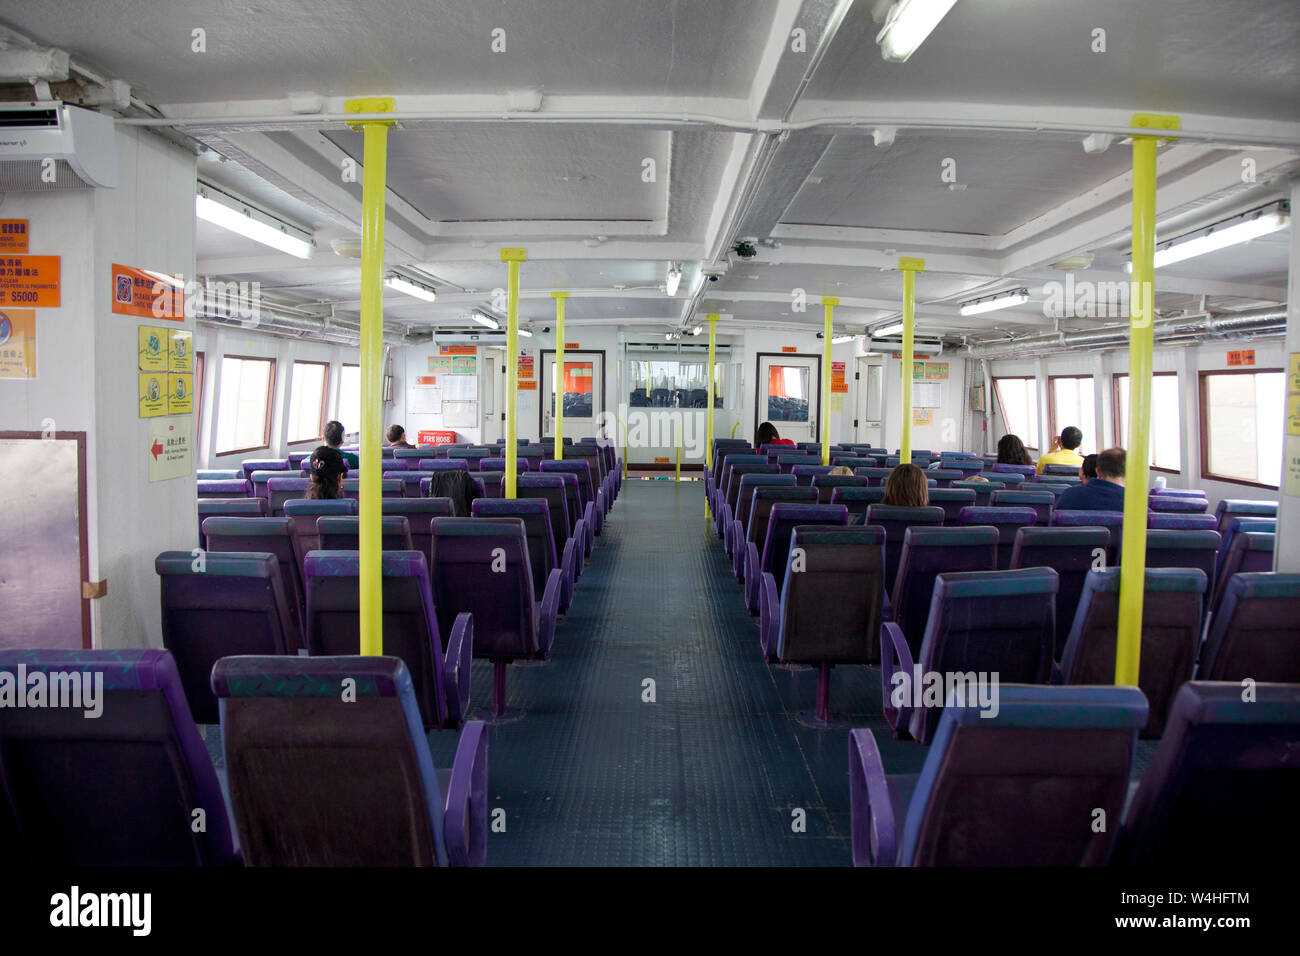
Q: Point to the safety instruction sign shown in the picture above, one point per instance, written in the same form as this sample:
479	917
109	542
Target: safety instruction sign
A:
457	350
168	451
182	351
153	394
13	235
149	295
464	365
838	384
439	366
525	367
29	281
154	349
923	416
18	343
936	371
180	394
527	385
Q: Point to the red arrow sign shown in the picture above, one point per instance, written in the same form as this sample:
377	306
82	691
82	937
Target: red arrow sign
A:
156	449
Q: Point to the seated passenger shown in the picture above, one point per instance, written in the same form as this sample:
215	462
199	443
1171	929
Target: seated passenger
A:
1011	451
767	435
327	473
841	470
333	438
907	486
1063	450
1088	470
1103	493
397	437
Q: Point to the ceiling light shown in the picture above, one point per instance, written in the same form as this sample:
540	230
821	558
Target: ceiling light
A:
525	333
410	288
1220	235
229	213
482	318
697	330
990	303
887	330
907	25
674	279
840	339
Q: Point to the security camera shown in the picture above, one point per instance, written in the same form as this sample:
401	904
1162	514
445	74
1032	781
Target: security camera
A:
545	329
745	249
713	277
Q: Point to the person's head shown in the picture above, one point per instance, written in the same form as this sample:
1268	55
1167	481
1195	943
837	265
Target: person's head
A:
1011	451
978	478
1111	464
1071	438
327	472
333	434
396	433
844	470
766	433
1088	470
907	485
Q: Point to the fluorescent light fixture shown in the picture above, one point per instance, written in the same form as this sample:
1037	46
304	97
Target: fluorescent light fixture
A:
991	303
697	330
674	279
887	330
907	25
410	288
251	223
485	320
840	339
525	333
1220	235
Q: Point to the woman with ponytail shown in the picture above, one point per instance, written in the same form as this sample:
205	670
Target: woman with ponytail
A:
328	469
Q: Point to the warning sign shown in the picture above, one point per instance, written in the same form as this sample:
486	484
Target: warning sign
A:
13	235
18	343
525	367
168	451
838	384
29	281
153	394
150	295
457	350
154	349
182	351
527	385
1241	357
180	394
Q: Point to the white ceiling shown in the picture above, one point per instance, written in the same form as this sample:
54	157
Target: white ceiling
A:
1007	89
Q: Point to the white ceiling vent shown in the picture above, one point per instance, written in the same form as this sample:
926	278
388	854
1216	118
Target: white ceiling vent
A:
51	145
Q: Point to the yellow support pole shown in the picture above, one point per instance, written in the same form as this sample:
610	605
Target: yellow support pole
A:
734	426
910	268
558	384
828	306
708	438
1141	342
373	203
512	258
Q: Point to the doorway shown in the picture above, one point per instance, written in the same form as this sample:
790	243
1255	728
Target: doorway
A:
583	393
789	390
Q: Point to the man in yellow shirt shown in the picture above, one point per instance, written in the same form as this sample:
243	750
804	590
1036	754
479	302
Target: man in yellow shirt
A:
1063	450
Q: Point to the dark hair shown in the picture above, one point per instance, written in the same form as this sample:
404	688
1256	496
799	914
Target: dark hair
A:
1071	438
333	434
395	434
1089	467
1111	463
1011	451
766	433
908	486
327	467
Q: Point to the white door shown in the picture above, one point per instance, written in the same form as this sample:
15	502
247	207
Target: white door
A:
494	391
788	393
870	400
582	393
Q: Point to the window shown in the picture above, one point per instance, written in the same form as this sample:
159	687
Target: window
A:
1018	400
307	392
244	404
669	383
198	391
1072	404
1241	426
787	393
349	410
1166	440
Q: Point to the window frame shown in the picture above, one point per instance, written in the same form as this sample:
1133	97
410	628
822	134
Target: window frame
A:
324	403
997	394
1115	419
1204	430
1051	399
270	407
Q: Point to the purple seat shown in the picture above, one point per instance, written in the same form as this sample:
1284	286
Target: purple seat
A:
1179	492
729	490
280	490
551	489
302	514
499	464
1004	481
250	465
439	669
1254	632
296	458
468	453
591	513
410	481
982	489
876	476
722	459
760	515
229	508
1007	520
1171	630
488	483
480	565
343	533
732	514
803	474
826	485
443	464
409	455
1112	521
542	560
830	607
927	553
273	535
1234	527
944	477
601	480
388	487
227	603
968	466
1158	521
896	519
1071	471
1065	480
744	532
1042	502
1249	551
258	482
581	518
419	513
952	501
980	622
781	522
1027	470
857	498
786	461
1172	504
1222	788
298	728
1004	789
1182	549
219	474
854	461
223	488
120	789
398	465
1230	508
1071	553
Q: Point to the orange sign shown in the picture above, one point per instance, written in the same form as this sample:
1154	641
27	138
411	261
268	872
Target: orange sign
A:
661	461
789	348
571	345
1243	357
29	281
150	295
457	349
434	437
527	385
525	367
838	384
13	235
426	380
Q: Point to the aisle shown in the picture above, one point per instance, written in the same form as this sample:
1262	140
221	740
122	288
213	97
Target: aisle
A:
710	772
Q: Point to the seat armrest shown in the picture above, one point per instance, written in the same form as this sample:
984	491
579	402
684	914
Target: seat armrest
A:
769	609
874	829
886	608
569	566
579	540
589	522
726	519
738	550
456	668
464	814
752	574
550	606
895	657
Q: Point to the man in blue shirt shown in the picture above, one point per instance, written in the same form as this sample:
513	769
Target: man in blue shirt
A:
1103	493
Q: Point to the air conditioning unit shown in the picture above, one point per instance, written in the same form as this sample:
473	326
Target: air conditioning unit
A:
50	145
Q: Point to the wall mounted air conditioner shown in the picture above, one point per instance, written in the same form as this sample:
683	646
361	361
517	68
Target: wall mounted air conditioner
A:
50	145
